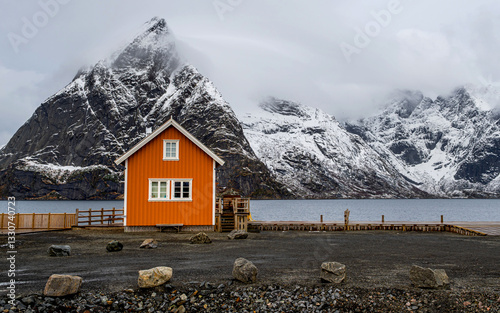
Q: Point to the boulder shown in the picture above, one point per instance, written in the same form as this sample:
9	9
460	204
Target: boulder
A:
200	238
114	246
154	277
59	250
245	271
149	244
237	234
62	285
333	272
428	278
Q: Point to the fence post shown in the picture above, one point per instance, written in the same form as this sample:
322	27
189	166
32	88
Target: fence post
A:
102	215
321	218
64	223
1	223
76	216
442	219
33	221
383	218
113	217
90	215
48	222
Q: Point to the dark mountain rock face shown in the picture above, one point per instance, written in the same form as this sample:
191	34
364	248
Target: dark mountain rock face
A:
68	147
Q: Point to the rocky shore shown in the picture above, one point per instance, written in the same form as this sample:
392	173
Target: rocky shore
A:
234	297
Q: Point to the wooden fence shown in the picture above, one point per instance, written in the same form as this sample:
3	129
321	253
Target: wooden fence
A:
38	221
106	217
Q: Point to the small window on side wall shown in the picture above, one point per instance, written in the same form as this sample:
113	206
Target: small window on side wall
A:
170	150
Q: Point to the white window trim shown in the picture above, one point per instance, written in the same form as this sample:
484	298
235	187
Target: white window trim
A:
170	189
176	141
158	180
172	185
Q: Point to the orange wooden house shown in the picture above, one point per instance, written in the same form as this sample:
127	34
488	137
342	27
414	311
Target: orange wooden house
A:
169	181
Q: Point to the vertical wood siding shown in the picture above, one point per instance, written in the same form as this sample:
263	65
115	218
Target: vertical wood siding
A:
148	163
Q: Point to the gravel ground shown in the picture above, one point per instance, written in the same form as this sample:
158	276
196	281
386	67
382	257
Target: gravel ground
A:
378	265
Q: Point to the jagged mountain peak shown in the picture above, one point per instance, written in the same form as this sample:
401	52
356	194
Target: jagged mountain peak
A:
486	97
154	48
310	152
106	109
403	102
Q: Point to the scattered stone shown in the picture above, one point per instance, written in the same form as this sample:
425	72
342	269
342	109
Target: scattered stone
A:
237	234
180	309
154	277
428	278
59	250
200	238
62	285
114	246
28	300
245	271
149	244
333	272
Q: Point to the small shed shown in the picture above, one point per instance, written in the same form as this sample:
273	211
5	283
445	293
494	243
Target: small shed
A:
170	180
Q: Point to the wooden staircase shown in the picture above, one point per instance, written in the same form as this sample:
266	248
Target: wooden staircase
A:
227	221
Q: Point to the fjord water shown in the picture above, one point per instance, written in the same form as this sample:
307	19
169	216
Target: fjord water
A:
414	210
310	210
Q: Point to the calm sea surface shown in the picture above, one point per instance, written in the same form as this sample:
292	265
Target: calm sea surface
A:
310	210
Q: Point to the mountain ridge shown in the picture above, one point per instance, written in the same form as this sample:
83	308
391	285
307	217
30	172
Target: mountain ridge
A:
107	108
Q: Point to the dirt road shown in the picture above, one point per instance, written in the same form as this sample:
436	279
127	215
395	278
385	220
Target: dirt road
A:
373	259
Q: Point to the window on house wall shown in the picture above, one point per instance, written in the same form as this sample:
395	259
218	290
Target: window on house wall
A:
170	189
182	190
159	189
170	150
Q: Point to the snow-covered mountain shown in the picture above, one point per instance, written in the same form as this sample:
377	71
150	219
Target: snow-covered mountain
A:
67	148
311	153
449	146
416	147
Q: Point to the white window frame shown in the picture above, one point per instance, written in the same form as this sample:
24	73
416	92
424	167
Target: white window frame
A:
172	192
170	189
150	189
176	141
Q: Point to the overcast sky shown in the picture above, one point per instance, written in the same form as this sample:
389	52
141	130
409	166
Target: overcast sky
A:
340	56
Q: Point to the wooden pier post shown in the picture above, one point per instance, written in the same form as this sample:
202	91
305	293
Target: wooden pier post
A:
442	219
383	219
346	219
321	218
1	223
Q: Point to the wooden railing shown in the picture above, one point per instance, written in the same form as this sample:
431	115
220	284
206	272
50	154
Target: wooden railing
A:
99	217
39	221
218	205
241	205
